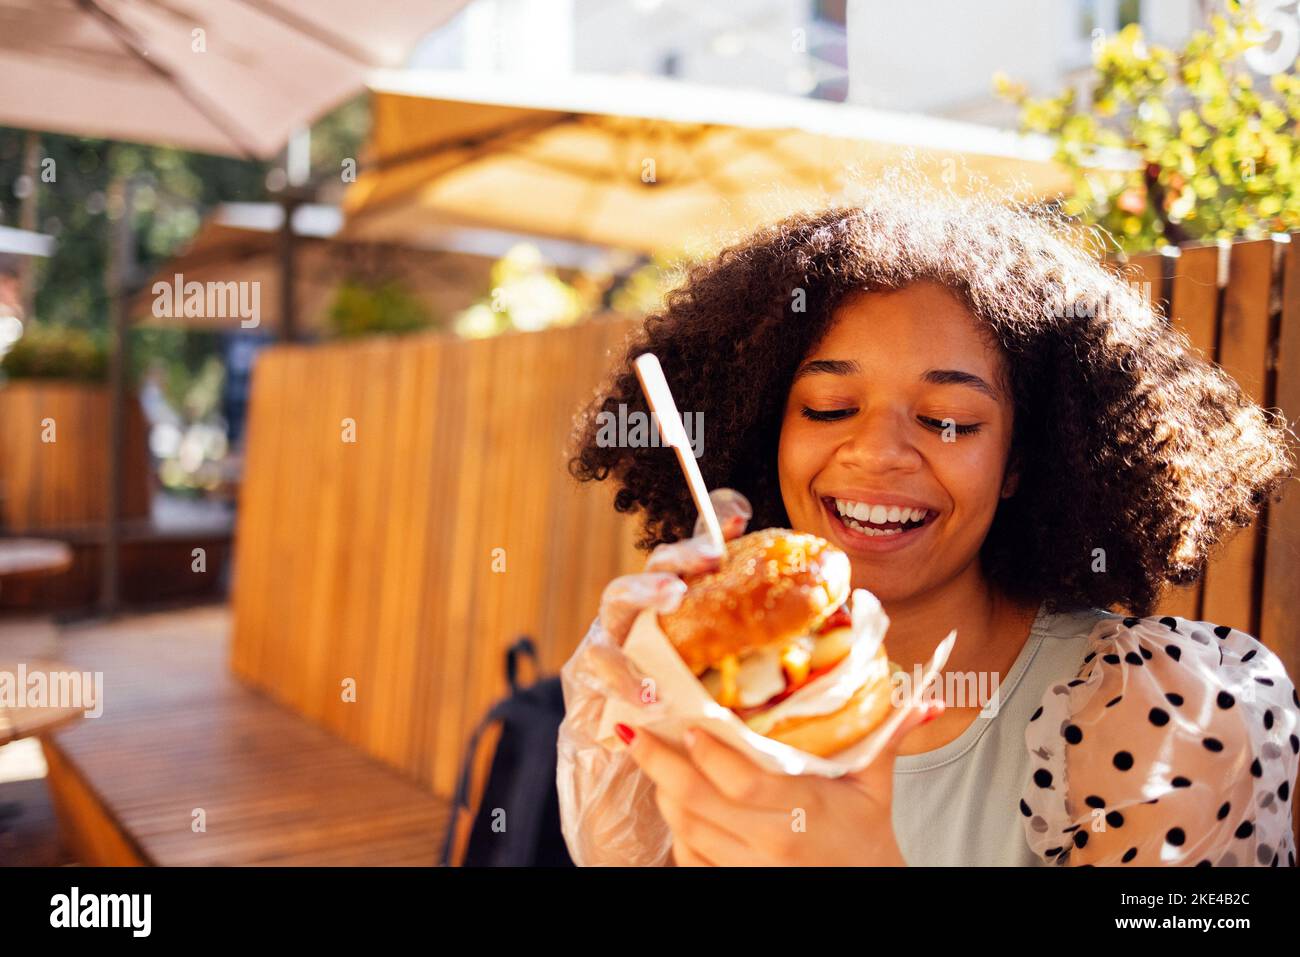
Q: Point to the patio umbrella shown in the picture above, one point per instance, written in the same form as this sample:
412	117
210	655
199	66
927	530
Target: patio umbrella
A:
647	164
238	244
232	77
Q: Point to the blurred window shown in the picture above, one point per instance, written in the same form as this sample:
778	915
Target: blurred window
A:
831	11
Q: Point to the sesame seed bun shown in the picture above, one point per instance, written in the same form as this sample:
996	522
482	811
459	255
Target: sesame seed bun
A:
773	586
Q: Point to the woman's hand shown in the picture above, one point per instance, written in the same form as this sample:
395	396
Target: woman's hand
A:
607	809
724	810
659	586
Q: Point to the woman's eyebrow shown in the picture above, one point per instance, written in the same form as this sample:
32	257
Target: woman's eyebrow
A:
828	367
958	377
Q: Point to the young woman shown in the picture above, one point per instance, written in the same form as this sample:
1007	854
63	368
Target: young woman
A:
1068	452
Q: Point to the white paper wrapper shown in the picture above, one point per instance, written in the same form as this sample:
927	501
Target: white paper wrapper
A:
681	701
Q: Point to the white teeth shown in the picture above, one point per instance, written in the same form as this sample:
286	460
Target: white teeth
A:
877	514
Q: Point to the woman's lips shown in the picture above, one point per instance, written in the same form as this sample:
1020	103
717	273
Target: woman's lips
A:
852	540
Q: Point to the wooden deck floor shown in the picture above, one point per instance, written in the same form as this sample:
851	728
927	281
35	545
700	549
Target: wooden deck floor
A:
180	735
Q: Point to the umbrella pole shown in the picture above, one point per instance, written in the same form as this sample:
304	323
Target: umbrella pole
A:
288	271
119	260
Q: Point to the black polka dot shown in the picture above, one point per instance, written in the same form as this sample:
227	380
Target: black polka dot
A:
1268	720
1255	769
1075	683
1169	623
1245	830
1024	808
1295	744
1052	851
1247	656
1223	631
1043	778
1133	658
1174	699
1175	836
1212	744
1225	700
1114	701
1181	782
1093	800
1284	789
1073	733
1131	853
1123	760
1089	656
1115	819
1223	811
1268	682
1152	801
1070	830
1080	838
1130	622
1173	651
1158	716
1036	714
1295	696
1145	653
1110	659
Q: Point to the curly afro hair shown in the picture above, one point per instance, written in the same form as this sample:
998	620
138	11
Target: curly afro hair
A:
1126	437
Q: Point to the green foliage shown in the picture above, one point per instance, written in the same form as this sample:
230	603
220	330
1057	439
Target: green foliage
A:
526	296
361	309
181	361
56	352
1217	158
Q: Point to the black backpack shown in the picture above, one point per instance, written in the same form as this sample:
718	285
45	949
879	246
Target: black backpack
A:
521	782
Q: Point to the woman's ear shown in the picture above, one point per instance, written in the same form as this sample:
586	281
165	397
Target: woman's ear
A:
1012	480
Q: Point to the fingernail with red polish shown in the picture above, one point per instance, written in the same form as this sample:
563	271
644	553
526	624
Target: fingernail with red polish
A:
625	733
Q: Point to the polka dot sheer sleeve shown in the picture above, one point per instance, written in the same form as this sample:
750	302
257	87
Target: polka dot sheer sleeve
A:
1175	745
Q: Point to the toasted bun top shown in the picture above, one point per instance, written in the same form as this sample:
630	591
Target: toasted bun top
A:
773	586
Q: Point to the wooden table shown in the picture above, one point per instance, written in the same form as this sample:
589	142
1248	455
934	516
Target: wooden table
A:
20	720
23	557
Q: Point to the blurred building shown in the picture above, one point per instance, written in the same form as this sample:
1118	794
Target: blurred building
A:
775	46
938	57
927	56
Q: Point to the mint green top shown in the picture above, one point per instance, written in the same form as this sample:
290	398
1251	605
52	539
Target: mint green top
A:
959	805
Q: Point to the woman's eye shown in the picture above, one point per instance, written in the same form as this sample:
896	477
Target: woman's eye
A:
940	425
829	415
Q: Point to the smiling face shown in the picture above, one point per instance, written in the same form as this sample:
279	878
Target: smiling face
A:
895	439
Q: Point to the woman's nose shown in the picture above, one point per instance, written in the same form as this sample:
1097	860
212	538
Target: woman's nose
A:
881	442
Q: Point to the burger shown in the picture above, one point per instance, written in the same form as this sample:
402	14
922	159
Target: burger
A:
770	636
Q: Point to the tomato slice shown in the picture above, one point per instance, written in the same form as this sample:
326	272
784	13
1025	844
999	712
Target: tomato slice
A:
840	618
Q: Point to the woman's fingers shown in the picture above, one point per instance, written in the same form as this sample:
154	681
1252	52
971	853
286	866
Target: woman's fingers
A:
735	776
700	838
733	511
683	856
625	597
699	554
878	777
694	556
